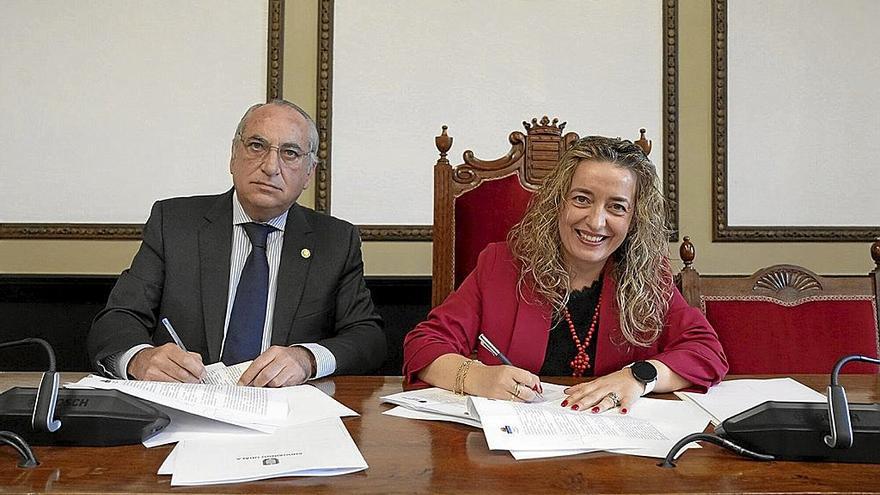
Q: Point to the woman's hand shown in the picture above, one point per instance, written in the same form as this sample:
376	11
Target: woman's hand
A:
595	396
502	382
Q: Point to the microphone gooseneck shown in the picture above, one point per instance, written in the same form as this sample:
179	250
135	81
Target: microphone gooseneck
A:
841	435
33	340
43	418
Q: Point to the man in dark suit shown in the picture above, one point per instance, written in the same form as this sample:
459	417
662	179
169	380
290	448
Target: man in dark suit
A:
245	275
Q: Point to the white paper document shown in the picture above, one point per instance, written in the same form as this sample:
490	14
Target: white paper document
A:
432	400
658	452
651	427
184	426
305	404
250	407
404	412
443	404
732	397
220	374
321	448
167	467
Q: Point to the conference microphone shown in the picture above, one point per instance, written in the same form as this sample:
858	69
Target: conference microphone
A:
841	436
43	417
835	431
84	417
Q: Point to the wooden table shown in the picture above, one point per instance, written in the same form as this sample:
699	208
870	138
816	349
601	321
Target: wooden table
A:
408	456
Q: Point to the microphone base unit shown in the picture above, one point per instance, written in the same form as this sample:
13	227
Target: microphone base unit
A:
795	431
88	417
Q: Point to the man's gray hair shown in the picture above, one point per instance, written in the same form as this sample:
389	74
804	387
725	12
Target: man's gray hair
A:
313	128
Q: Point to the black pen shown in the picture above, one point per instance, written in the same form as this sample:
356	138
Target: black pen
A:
489	346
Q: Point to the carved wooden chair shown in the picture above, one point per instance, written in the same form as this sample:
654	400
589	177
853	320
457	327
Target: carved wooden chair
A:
477	202
785	319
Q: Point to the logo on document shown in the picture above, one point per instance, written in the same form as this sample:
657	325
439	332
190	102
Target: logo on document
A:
270	461
507	429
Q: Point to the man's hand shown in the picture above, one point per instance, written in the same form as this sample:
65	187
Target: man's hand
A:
167	363
280	366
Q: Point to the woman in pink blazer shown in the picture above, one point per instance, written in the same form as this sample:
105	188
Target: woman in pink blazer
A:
582	287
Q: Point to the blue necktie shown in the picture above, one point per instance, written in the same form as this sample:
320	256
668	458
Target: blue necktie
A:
244	336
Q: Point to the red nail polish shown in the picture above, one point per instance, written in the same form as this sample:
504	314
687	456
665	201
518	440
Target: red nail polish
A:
575	407
623	411
564	403
595	410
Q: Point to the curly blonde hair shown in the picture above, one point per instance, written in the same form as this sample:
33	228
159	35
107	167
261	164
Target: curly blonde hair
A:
642	271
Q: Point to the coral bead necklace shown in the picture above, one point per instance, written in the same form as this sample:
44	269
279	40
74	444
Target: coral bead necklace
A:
581	360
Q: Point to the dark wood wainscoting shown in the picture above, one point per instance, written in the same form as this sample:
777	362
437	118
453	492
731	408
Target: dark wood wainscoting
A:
60	308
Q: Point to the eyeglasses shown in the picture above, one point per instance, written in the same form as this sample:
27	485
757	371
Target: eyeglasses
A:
255	148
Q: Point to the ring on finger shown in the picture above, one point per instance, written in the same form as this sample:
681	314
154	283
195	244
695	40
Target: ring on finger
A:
515	392
615	398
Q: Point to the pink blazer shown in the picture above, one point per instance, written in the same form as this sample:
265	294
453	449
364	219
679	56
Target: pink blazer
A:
488	302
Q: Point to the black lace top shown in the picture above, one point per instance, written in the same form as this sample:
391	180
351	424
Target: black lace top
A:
560	346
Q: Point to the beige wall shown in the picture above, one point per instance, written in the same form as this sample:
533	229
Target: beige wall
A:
695	134
407	258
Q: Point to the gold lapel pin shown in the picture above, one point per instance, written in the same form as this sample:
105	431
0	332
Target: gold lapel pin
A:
305	253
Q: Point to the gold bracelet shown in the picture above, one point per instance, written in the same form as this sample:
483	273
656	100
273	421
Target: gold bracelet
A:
464	375
457	389
461	375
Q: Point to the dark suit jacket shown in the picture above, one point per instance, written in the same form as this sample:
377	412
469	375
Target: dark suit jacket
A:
488	301
182	272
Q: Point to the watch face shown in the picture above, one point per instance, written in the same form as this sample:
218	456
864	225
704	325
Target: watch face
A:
644	371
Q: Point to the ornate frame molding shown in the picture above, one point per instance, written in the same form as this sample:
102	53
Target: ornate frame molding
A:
324	104
670	110
275	53
127	231
722	231
423	232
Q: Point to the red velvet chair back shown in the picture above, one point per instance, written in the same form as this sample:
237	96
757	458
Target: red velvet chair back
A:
484	215
785	319
478	201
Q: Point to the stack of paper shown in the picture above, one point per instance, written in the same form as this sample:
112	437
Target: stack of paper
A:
735	396
437	404
230	433
321	448
530	431
249	407
545	429
305	404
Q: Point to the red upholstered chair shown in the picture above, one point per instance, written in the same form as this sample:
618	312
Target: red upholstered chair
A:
785	319
478	201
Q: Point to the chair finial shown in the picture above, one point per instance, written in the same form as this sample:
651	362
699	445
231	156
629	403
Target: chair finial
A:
443	142
687	252
875	253
643	142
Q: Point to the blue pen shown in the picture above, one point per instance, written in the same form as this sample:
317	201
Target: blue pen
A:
173	334
489	346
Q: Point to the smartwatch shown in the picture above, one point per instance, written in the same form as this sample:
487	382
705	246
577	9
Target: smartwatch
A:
645	373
